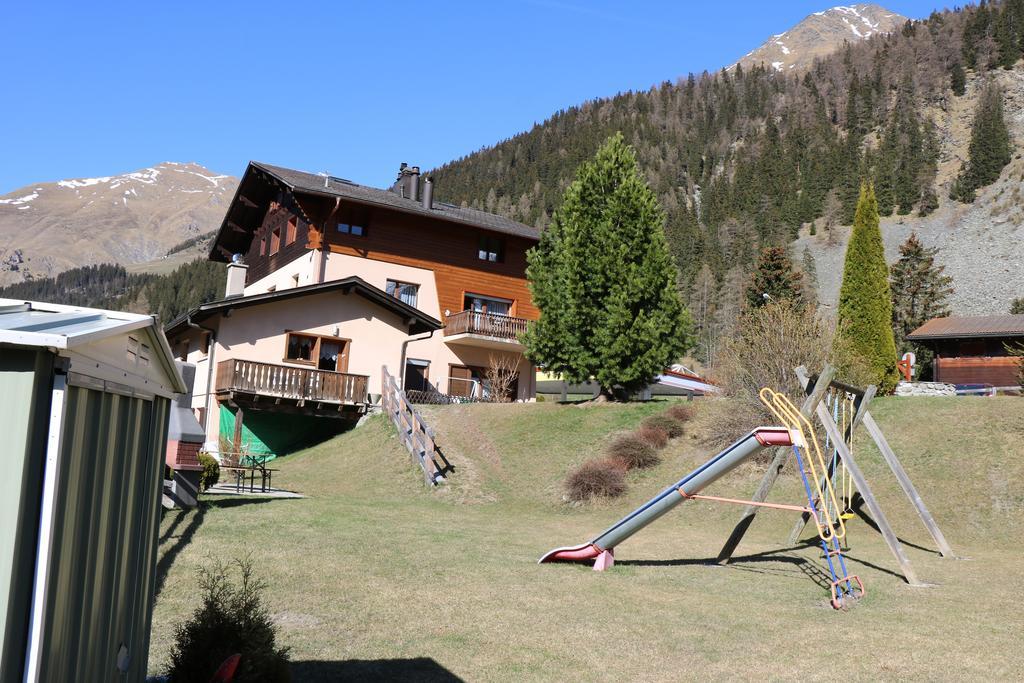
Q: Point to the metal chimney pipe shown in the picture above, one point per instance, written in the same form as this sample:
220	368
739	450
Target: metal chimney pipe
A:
414	183
428	192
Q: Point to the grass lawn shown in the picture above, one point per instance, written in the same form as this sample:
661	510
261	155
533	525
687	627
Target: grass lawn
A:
374	576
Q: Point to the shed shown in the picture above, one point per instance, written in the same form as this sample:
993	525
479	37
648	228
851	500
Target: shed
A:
84	401
971	350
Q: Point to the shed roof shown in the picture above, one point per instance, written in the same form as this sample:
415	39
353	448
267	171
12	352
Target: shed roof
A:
420	321
55	326
970	326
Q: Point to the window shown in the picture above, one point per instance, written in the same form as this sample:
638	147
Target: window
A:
352	220
275	241
485	304
292	231
491	249
300	348
405	291
326	353
351	229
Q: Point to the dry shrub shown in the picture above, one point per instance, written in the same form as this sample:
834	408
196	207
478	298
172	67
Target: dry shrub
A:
502	373
681	413
666	423
632	451
596	479
655	436
768	343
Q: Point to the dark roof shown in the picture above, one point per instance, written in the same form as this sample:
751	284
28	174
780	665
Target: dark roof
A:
974	326
421	322
329	186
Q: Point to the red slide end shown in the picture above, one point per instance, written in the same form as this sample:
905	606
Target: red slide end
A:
773	436
575	553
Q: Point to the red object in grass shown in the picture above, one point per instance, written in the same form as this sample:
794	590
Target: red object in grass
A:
226	671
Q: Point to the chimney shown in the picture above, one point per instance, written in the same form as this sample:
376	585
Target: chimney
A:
414	184
428	192
236	279
399	186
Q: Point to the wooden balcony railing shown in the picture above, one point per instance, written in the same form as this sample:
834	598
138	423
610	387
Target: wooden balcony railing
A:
487	324
284	381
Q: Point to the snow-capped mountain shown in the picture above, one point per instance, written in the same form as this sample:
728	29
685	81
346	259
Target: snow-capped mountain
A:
822	33
130	218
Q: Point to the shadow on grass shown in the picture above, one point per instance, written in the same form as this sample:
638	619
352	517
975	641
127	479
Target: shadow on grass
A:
418	669
195	519
858	508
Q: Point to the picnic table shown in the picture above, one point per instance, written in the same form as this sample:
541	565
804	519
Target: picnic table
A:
248	466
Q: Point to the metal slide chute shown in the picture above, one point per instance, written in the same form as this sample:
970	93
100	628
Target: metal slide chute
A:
601	547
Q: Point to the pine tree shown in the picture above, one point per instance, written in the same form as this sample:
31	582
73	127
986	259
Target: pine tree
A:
810	277
1017	306
920	290
775	277
603	280
989	150
958	79
865	300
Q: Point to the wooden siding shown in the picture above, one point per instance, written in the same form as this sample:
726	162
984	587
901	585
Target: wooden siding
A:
447	249
277	216
999	371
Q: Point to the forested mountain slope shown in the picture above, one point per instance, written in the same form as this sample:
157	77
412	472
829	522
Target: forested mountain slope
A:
749	157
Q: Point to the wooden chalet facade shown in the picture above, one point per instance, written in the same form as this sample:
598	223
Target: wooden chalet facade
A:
442	294
972	350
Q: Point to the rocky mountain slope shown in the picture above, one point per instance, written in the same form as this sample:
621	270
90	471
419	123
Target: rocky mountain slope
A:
822	33
981	245
131	218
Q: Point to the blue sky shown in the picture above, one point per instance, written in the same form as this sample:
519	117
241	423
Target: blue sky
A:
349	88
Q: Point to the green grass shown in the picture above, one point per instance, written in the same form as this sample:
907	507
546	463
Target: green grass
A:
374	575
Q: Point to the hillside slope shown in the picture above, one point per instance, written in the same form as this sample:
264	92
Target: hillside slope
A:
131	218
822	33
981	245
372	576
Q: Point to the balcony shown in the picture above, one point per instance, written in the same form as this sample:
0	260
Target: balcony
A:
488	330
270	386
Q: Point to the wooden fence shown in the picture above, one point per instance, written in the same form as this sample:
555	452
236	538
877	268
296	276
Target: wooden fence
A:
487	324
284	381
415	435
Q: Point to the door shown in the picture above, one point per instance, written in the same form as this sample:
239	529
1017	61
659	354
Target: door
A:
417	375
460	381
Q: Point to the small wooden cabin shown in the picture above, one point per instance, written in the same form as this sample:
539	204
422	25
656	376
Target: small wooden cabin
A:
972	350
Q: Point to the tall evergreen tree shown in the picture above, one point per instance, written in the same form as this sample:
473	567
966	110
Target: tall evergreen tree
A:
604	282
920	290
865	300
958	79
775	277
1017	306
989	150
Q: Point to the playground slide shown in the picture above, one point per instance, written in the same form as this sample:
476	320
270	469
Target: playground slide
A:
601	547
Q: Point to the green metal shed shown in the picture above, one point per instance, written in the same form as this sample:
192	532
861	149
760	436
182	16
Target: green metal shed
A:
84	401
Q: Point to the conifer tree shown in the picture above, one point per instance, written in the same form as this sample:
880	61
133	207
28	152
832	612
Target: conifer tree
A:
865	301
920	290
775	277
1017	306
989	150
604	282
958	79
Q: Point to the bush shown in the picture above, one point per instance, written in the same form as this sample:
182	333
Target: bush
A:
211	471
596	479
232	619
681	413
655	436
632	451
666	423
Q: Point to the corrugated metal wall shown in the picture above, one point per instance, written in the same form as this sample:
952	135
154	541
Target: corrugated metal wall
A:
25	375
101	578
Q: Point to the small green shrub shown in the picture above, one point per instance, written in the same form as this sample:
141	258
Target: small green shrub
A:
681	413
232	619
211	471
655	436
665	422
633	452
596	479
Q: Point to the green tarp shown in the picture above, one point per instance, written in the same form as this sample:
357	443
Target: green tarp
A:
267	435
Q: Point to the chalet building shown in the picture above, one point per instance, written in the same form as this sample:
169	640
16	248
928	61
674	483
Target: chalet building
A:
328	282
972	350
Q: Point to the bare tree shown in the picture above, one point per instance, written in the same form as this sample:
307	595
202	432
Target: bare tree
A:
502	374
